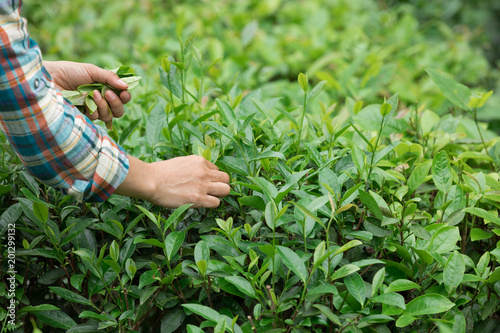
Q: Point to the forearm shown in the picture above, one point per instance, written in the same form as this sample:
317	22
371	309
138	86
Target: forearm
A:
58	145
139	182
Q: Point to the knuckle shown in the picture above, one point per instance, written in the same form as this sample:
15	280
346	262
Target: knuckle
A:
227	189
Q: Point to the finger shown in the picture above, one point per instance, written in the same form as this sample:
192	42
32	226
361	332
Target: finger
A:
102	112
210	202
115	103
212	166
102	107
218	189
125	97
102	75
220	177
92	116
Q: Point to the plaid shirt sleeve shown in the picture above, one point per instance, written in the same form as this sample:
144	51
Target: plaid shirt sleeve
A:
57	144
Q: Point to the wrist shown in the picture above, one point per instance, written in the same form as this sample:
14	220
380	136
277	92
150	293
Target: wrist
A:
140	181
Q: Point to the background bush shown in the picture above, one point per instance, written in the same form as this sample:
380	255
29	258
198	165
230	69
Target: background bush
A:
365	194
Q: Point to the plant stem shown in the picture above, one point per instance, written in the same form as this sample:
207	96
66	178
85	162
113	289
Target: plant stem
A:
302	122
375	148
482	139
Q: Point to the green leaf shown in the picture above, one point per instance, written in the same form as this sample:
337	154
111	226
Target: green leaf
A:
242	284
5	189
479	100
172	320
202	267
385	109
402	285
453	272
226	112
130	268
344	271
479	234
220	129
70	296
269	154
248	32
358	157
424	255
204	311
56	318
315	90
253	201
371	204
347	246
444	240
378	279
328	314
148	277
150	215
308	213
405	320
37	308
201	251
356	287
194	329
266	187
303	82
186	47
455	92
220	327
428	304
418	176
173	243
146	294
41	212
114	251
487	216
293	262
390	298
155	122
124	135
441	171
175	216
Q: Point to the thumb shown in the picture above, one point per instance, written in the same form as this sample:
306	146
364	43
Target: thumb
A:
105	76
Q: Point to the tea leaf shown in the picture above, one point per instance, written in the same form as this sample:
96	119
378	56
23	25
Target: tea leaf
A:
242	284
453	271
441	171
427	305
455	92
356	287
70	296
156	121
173	243
293	262
303	82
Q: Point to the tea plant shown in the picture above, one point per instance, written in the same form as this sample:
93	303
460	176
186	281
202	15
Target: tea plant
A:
350	211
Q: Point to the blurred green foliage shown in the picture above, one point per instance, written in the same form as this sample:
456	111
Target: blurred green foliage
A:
364	198
365	49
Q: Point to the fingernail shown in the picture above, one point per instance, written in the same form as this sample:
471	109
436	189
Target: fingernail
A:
110	95
97	96
120	81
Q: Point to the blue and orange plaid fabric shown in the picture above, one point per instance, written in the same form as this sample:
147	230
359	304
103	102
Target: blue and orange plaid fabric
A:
57	144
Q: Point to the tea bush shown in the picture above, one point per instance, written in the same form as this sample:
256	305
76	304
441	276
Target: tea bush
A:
365	193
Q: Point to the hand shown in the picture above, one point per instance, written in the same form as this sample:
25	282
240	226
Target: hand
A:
69	75
176	182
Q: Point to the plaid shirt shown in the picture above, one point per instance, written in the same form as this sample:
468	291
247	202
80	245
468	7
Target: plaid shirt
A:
57	144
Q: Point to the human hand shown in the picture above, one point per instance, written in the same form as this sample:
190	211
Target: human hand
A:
69	75
176	182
